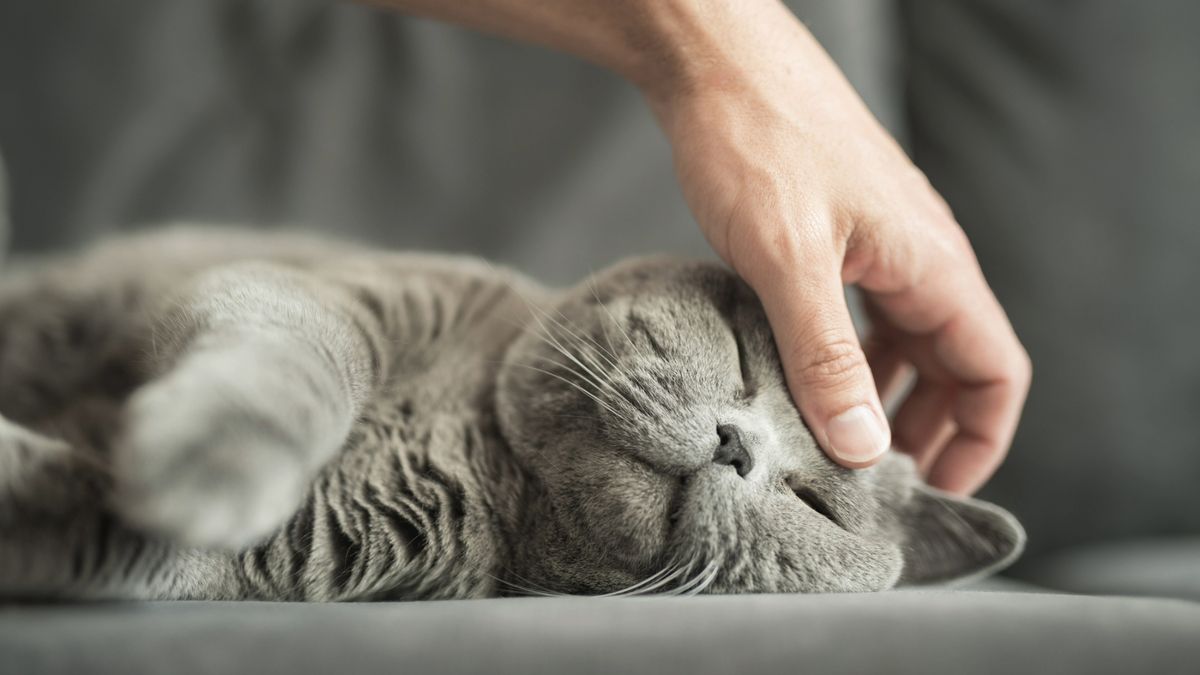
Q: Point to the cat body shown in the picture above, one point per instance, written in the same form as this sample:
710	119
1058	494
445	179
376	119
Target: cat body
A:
212	414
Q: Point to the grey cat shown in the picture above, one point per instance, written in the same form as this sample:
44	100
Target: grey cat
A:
204	413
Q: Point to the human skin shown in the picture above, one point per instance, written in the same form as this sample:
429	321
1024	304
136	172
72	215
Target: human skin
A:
801	191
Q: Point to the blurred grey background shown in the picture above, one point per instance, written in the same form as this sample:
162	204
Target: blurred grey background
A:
1065	134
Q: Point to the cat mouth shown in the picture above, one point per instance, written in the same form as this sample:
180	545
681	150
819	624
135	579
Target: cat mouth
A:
677	506
701	524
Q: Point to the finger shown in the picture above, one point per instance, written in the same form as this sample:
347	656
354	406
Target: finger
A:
985	411
889	366
974	346
826	370
924	422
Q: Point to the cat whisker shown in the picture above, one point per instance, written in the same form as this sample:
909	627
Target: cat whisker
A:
589	343
708	580
591	281
582	376
653	589
645	586
587	393
595	378
603	372
699	582
589	357
565	324
532	589
606	374
551	339
604	326
619	414
518	590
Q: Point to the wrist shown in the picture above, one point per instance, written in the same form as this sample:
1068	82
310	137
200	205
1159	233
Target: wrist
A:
697	49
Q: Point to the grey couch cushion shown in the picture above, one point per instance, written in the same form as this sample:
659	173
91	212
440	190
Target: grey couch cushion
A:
1158	567
906	632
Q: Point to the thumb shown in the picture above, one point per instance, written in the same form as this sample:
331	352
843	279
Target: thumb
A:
826	370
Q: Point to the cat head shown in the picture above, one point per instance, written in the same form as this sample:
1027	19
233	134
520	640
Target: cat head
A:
650	409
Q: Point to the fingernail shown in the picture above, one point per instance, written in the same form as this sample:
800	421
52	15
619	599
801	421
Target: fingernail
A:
857	435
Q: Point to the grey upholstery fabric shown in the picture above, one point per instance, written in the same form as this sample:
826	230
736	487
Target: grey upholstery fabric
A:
899	633
1153	567
328	115
4	226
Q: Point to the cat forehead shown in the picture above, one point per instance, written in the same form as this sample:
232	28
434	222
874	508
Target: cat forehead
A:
669	276
675	295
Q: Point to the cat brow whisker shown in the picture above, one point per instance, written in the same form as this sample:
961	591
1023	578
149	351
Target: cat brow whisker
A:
550	339
594	378
581	375
589	353
595	398
605	384
609	355
565	324
588	347
567	367
619	414
591	281
607	336
547	336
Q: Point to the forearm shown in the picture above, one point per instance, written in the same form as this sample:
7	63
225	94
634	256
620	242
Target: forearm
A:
662	46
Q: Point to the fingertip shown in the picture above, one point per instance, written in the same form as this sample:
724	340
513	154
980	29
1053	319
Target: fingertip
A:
858	437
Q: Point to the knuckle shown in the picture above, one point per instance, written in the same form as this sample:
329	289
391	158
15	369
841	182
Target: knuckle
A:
1024	369
773	248
830	363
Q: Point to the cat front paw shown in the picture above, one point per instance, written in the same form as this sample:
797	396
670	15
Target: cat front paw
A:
196	466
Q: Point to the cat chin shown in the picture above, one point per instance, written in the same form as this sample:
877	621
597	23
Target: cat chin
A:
776	544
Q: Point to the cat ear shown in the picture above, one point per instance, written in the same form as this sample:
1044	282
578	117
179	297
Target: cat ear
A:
948	538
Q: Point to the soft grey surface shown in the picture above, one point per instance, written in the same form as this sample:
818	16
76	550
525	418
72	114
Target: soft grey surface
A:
908	632
1168	567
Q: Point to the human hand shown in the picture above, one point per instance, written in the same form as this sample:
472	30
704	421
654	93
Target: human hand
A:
800	190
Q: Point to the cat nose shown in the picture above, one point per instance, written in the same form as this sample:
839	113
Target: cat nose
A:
731	451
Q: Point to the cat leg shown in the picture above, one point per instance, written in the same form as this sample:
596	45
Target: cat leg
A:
43	476
57	539
49	496
266	369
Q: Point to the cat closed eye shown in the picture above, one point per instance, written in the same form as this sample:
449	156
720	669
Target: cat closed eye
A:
815	502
